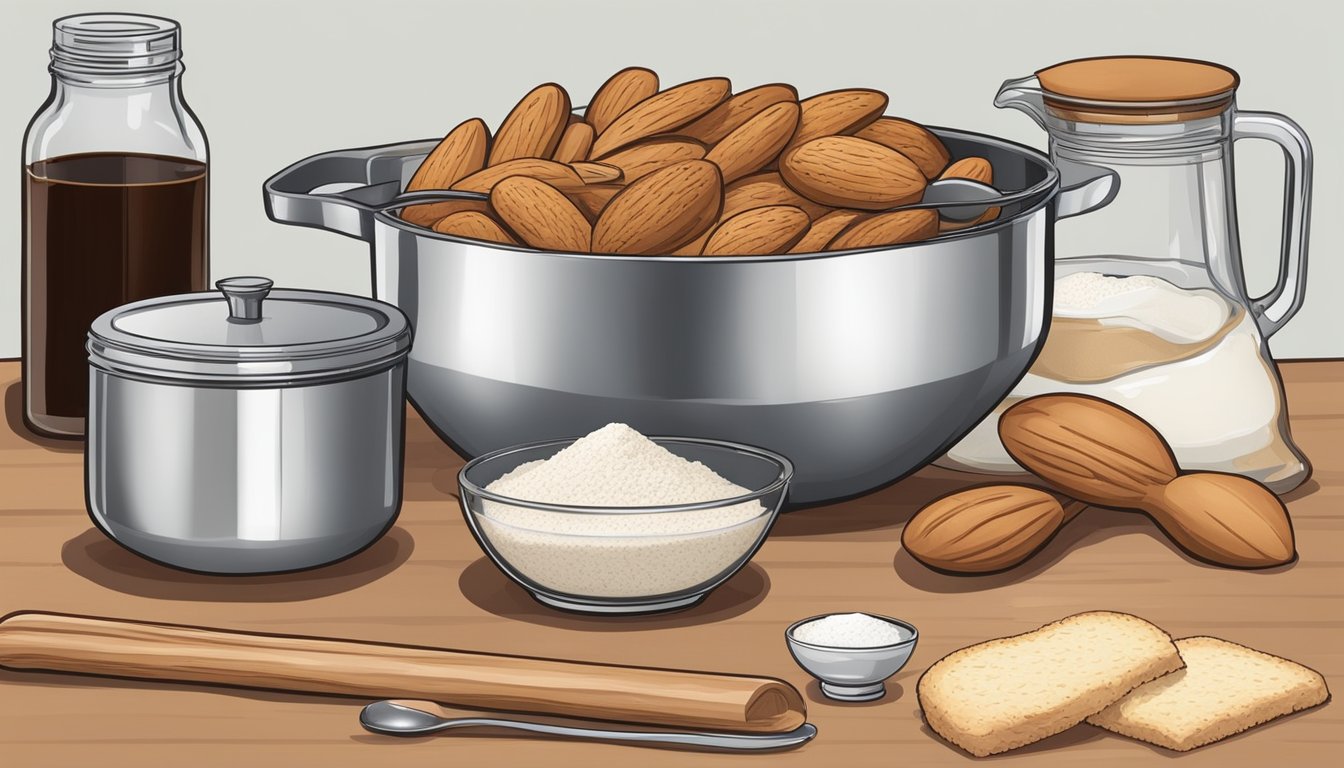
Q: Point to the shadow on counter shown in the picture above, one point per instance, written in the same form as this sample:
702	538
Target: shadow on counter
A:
106	563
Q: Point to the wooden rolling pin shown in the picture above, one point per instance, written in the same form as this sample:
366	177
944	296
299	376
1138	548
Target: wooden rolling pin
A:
32	640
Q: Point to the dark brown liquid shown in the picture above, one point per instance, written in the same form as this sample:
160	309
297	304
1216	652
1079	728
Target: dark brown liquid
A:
100	230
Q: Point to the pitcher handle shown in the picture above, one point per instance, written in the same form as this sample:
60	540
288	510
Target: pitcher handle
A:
1274	309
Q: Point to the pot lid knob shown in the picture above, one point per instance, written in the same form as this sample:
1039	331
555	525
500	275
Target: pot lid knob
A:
244	295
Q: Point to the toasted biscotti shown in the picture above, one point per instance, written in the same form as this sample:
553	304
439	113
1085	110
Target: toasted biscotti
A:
1005	693
1224	689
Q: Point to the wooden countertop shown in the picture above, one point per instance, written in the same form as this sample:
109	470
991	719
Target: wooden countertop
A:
428	583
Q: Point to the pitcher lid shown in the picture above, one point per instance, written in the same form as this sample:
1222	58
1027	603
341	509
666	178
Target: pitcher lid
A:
1137	89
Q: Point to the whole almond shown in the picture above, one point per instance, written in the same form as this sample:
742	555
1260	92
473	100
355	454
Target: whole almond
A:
984	529
622	91
891	228
661	112
738	109
556	174
662	211
540	215
1226	520
574	143
766	189
598	173
590	199
474	225
837	112
973	168
758	232
644	157
534	127
460	154
697	245
755	143
425	214
849	172
910	139
824	230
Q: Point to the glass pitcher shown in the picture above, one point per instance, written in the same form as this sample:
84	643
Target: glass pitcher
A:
1150	306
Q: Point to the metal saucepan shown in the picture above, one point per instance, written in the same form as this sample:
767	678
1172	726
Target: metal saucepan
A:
860	366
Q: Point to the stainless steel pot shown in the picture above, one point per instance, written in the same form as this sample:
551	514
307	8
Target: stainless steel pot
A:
245	437
859	366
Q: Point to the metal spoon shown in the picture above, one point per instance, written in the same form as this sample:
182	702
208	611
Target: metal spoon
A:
412	718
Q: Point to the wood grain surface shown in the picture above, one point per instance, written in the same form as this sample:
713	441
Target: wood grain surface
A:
427	583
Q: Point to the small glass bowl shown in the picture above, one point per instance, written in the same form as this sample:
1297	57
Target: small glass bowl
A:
616	559
853	674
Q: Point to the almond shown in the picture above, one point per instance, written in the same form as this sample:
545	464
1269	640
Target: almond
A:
574	143
738	109
662	211
758	232
756	142
590	199
540	215
461	153
985	529
891	228
556	174
973	168
622	91
662	112
697	245
910	139
647	156
1226	519
474	225
425	214
766	189
598	173
824	230
837	112
534	127
849	172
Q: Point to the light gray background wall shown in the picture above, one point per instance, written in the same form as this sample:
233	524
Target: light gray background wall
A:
274	81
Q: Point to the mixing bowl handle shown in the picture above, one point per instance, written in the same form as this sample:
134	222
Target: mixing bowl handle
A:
341	191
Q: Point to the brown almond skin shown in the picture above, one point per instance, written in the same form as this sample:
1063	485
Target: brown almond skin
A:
1088	448
849	172
540	215
622	91
973	168
697	245
824	230
738	109
837	113
461	153
556	174
590	199
910	139
534	127
982	530
891	228
661	113
766	189
574	143
662	211
425	214
475	225
1225	519
644	157
756	143
758	232
598	173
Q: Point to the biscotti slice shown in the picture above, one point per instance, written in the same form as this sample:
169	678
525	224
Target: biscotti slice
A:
1224	689
1003	694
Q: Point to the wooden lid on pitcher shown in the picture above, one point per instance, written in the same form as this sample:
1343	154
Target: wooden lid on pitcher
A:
1137	89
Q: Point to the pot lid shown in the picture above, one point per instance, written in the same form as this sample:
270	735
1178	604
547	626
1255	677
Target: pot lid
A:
248	332
1137	89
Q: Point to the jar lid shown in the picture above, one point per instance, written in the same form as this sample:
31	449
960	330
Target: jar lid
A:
1137	89
249	335
106	43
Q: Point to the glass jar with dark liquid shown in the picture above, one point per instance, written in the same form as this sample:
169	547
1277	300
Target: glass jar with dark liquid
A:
115	199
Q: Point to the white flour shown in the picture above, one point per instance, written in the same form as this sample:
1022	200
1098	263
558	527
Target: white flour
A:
619	553
850	630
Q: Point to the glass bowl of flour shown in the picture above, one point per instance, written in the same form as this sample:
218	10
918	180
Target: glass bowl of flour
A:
616	522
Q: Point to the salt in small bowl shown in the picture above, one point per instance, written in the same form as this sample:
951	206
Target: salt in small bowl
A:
853	674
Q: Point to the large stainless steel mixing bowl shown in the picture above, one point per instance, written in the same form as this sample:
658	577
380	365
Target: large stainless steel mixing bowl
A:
859	366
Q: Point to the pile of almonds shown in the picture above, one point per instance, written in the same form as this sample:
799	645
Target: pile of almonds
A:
691	170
